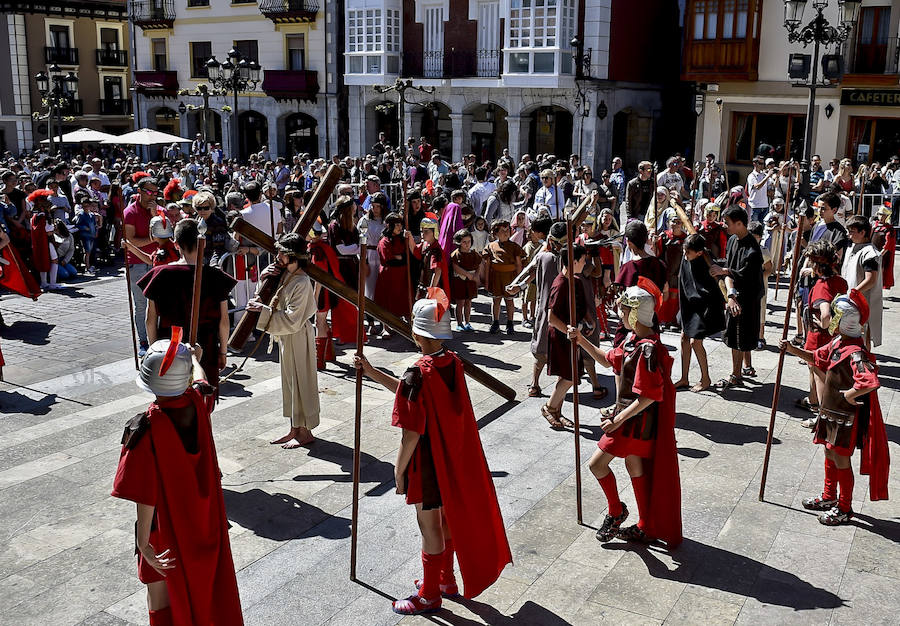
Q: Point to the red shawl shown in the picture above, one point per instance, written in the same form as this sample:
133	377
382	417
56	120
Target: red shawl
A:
40	250
186	491
343	314
15	276
467	490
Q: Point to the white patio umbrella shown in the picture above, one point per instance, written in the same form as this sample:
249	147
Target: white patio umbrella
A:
82	135
145	137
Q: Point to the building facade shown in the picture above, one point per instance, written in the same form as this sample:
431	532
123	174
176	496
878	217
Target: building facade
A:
87	37
737	51
294	108
504	75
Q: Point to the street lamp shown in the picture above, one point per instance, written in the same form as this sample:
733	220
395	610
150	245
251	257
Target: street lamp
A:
57	94
401	86
582	60
818	32
235	75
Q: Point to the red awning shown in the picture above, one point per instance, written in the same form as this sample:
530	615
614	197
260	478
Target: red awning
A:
162	83
291	84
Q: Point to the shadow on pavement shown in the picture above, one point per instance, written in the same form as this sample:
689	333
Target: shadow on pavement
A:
34	333
728	433
529	614
15	402
371	468
281	517
715	568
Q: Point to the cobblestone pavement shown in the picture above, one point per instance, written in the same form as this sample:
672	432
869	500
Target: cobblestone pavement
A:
66	546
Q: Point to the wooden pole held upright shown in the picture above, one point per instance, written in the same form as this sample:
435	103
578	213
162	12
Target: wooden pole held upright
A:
198	283
357	417
780	252
130	304
784	334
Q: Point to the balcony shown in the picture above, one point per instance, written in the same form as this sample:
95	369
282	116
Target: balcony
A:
153	14
453	64
291	84
873	65
152	83
60	55
720	44
289	11
111	57
74	107
114	106
93	9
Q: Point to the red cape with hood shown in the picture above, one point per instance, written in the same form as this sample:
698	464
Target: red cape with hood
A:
186	490
15	276
40	251
467	490
663	519
343	314
875	459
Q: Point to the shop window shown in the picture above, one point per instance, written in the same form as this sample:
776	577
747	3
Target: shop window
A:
775	135
873	139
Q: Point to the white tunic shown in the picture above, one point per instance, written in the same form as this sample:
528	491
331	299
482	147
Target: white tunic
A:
854	273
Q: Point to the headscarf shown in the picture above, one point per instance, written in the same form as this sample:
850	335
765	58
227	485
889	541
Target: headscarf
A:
451	221
519	232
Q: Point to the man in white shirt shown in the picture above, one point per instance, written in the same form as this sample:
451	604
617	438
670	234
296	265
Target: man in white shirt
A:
550	196
258	213
671	179
480	191
831	173
759	182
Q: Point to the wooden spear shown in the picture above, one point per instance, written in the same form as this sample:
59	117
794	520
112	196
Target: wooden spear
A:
409	285
130	303
357	417
787	204
784	334
198	282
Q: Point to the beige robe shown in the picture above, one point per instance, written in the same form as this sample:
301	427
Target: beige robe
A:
291	325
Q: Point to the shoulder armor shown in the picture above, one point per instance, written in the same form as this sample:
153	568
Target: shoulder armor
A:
134	430
648	350
860	361
411	383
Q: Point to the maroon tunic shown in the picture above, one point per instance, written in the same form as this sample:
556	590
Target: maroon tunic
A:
559	347
392	288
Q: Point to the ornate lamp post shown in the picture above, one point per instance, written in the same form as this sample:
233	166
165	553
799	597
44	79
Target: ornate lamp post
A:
817	32
57	94
401	86
235	75
582	60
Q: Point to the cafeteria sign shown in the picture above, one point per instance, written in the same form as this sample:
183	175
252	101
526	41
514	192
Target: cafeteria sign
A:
871	97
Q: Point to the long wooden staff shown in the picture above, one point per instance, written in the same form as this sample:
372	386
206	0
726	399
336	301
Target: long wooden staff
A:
573	223
863	173
357	417
784	334
780	252
130	303
198	281
651	217
409	286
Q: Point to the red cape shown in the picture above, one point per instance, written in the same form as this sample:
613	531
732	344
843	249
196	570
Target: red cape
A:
343	314
15	276
186	490
875	459
467	490
890	244
714	233
40	251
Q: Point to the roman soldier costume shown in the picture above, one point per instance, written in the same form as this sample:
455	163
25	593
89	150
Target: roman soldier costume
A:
713	231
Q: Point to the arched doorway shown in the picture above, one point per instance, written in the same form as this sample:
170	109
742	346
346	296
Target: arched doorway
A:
213	126
490	133
631	136
437	128
550	132
301	134
166	120
383	118
253	132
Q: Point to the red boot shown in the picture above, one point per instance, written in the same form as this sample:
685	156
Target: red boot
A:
161	617
320	353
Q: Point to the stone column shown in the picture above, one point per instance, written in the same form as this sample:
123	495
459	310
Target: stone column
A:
514	128
456	121
466	138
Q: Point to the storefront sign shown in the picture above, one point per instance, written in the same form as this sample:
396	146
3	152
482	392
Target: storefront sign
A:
871	97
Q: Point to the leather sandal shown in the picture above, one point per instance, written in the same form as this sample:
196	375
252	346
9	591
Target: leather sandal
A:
552	416
534	391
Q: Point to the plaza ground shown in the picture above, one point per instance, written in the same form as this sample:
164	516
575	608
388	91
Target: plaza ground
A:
66	546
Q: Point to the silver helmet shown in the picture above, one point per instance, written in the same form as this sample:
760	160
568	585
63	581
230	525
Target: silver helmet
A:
161	228
174	380
426	323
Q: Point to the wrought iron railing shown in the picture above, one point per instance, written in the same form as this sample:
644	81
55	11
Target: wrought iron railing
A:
285	10
152	13
112	57
61	55
114	106
453	64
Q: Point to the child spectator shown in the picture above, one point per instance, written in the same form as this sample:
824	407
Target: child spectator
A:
464	281
504	262
65	249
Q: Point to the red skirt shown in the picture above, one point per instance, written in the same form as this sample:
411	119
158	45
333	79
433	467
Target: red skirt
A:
391	290
462	289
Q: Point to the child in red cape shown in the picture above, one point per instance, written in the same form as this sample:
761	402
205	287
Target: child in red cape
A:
441	467
849	411
168	467
642	432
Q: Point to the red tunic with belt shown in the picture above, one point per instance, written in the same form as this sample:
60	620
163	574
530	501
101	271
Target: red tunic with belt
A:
185	489
40	250
650	434
670	251
868	431
392	288
825	290
433	400
343	314
716	238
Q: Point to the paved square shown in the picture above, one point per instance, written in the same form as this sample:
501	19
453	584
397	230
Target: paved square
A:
66	546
